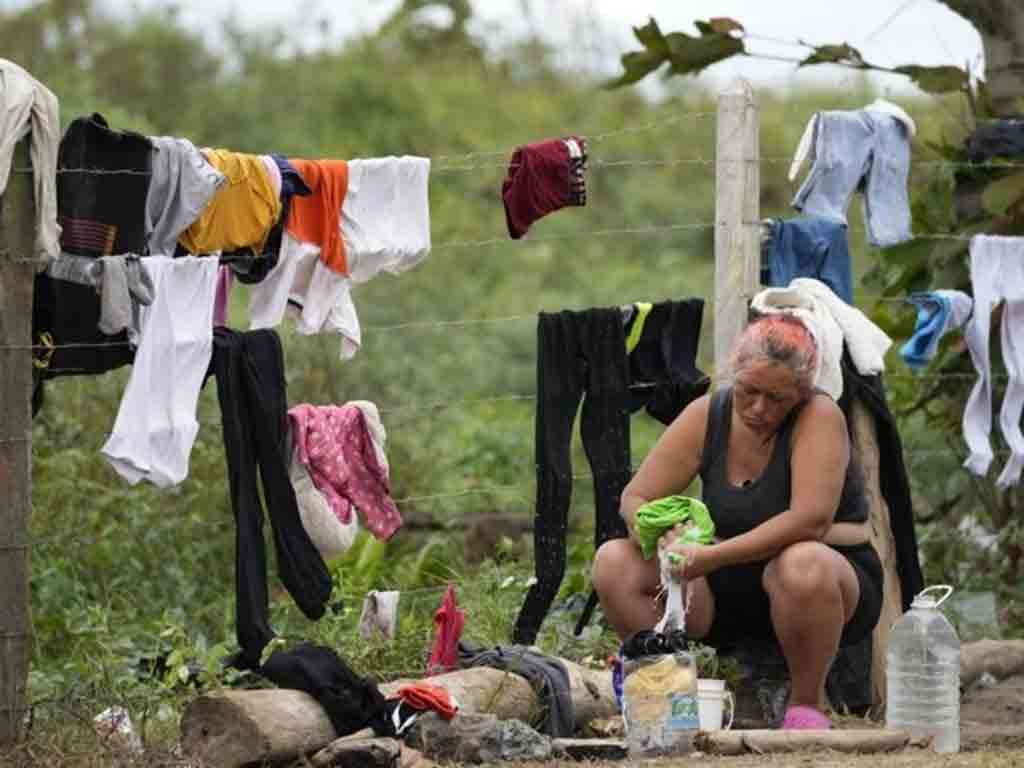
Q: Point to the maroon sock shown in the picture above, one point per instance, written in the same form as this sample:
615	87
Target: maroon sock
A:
542	177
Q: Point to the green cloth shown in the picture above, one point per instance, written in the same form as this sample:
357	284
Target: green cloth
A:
656	517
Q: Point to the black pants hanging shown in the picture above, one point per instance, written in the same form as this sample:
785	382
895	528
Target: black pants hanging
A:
583	355
577	353
249	368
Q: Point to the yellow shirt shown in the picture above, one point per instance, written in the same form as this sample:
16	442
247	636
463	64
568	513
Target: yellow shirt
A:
242	212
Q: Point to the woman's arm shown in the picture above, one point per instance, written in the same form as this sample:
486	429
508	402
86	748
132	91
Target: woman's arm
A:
672	463
820	456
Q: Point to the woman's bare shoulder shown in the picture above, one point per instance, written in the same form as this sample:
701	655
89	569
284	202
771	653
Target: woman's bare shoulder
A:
820	413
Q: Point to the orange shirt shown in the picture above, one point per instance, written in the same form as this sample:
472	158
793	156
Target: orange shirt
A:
316	218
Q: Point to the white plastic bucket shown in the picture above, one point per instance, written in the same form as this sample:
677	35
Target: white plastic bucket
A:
711	698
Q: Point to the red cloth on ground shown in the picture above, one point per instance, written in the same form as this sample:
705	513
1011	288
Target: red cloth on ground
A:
426	696
541	179
448	622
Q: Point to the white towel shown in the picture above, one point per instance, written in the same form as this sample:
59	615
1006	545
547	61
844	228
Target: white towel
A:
28	105
832	322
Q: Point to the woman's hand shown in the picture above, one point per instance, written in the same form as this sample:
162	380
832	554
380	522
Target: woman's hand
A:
689	561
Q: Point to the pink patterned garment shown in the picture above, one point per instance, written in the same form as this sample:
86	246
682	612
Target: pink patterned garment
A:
334	443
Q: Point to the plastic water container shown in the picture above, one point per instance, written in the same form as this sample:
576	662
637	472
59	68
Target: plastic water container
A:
659	705
923	673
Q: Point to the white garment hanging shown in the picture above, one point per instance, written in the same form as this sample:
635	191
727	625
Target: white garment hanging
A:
156	422
997	273
380	612
378	435
324	296
329	535
803	148
832	322
28	105
385	219
960	308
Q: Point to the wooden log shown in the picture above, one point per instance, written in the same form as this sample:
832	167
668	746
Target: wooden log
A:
778	742
358	753
232	728
1000	658
865	446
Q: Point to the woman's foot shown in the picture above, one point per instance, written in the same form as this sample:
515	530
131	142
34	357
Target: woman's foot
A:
801	718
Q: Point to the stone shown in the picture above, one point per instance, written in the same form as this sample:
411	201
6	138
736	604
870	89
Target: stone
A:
358	753
605	728
477	739
412	758
589	749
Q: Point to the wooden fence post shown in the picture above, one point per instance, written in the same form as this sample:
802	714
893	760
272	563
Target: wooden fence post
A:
17	238
737	208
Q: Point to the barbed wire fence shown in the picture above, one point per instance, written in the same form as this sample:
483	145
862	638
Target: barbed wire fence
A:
737	224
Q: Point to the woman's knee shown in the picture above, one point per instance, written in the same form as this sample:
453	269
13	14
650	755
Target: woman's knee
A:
616	565
804	570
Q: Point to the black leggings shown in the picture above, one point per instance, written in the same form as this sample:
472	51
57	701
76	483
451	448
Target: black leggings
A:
249	368
743	611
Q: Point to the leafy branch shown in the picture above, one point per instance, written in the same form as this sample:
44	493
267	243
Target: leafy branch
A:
722	38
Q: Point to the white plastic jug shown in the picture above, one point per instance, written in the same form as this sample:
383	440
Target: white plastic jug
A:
923	673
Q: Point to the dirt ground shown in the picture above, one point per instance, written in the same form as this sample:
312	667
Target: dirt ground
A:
991	735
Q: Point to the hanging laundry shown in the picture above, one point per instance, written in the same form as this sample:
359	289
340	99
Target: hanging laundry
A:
222	299
542	178
29	107
350	701
546	674
380	614
335	443
243	210
661	342
810	247
102	214
247	264
997	273
329	535
833	323
316	219
385	219
426	697
865	149
124	287
320	297
249	368
583	355
996	138
938	313
385	227
182	186
449	620
65	318
156	422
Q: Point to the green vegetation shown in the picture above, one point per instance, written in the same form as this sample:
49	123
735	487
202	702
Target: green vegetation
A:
122	575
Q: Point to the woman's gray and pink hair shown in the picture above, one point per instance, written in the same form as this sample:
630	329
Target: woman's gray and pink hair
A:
778	338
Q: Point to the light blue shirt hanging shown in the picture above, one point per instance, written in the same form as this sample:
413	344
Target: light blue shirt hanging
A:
938	312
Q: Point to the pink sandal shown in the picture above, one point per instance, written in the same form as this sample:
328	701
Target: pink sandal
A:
801	718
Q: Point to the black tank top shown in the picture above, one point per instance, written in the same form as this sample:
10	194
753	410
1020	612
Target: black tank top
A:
737	509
